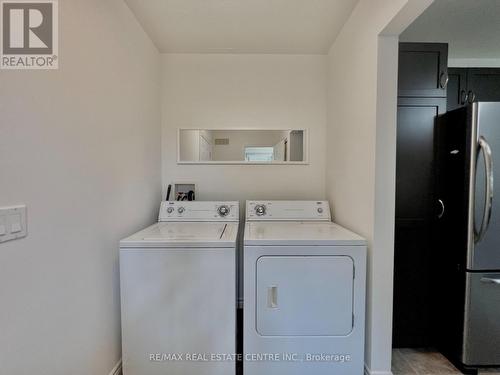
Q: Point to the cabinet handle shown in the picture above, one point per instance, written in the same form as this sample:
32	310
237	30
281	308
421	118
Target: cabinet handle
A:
471	96
463	97
441	203
443	80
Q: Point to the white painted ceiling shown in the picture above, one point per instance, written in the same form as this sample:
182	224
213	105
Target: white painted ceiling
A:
242	26
471	27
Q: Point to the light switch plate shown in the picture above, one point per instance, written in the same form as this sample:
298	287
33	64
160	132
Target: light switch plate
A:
13	223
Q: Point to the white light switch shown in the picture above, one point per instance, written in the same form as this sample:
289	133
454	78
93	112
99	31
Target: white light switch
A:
12	223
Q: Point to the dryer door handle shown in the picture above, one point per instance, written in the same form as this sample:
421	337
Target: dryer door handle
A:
272	297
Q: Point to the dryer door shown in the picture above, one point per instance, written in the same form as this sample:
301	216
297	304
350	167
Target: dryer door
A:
304	295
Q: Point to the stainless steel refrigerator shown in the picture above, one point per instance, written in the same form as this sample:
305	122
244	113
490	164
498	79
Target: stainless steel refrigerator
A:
467	236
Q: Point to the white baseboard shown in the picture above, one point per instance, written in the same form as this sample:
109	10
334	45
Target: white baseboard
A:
117	370
370	372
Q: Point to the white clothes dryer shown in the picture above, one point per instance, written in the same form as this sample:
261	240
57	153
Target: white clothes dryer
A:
304	291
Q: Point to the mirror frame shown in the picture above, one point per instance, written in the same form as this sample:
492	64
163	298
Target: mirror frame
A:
243	162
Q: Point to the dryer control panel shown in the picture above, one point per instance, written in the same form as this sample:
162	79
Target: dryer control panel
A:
199	211
288	211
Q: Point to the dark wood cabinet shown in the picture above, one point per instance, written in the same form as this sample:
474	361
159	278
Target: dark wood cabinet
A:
483	84
415	155
421	97
414	217
412	292
468	85
422	69
457	88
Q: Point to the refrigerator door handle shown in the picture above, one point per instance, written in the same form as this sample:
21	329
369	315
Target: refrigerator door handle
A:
490	280
488	204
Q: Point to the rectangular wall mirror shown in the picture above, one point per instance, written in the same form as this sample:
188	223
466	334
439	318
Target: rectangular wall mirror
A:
234	146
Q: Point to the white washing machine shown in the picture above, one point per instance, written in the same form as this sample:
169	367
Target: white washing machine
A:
178	294
304	291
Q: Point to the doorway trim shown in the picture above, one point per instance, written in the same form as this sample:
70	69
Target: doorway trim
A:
382	267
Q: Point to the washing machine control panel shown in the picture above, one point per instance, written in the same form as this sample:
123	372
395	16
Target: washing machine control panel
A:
199	211
287	210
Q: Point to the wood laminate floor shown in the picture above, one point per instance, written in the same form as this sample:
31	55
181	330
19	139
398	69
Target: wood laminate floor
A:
425	362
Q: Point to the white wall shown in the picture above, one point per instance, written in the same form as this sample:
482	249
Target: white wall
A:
473	63
81	147
470	28
245	91
361	154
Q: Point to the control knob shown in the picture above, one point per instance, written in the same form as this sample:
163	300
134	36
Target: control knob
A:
260	210
170	210
223	210
180	210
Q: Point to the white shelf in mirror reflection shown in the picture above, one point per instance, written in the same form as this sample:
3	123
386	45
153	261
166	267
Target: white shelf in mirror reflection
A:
242	146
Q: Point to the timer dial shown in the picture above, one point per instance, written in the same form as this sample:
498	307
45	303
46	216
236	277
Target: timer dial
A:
223	210
260	210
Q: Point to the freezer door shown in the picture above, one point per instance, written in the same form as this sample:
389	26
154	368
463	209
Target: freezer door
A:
482	324
484	208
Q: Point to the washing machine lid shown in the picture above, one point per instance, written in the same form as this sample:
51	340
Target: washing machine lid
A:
278	233
184	234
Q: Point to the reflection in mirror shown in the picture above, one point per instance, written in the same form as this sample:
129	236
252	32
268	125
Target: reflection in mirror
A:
241	146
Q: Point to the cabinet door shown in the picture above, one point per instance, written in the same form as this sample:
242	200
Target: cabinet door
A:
423	69
412	282
415	155
414	208
483	84
457	88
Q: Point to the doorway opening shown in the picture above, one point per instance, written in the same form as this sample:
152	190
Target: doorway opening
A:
449	60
